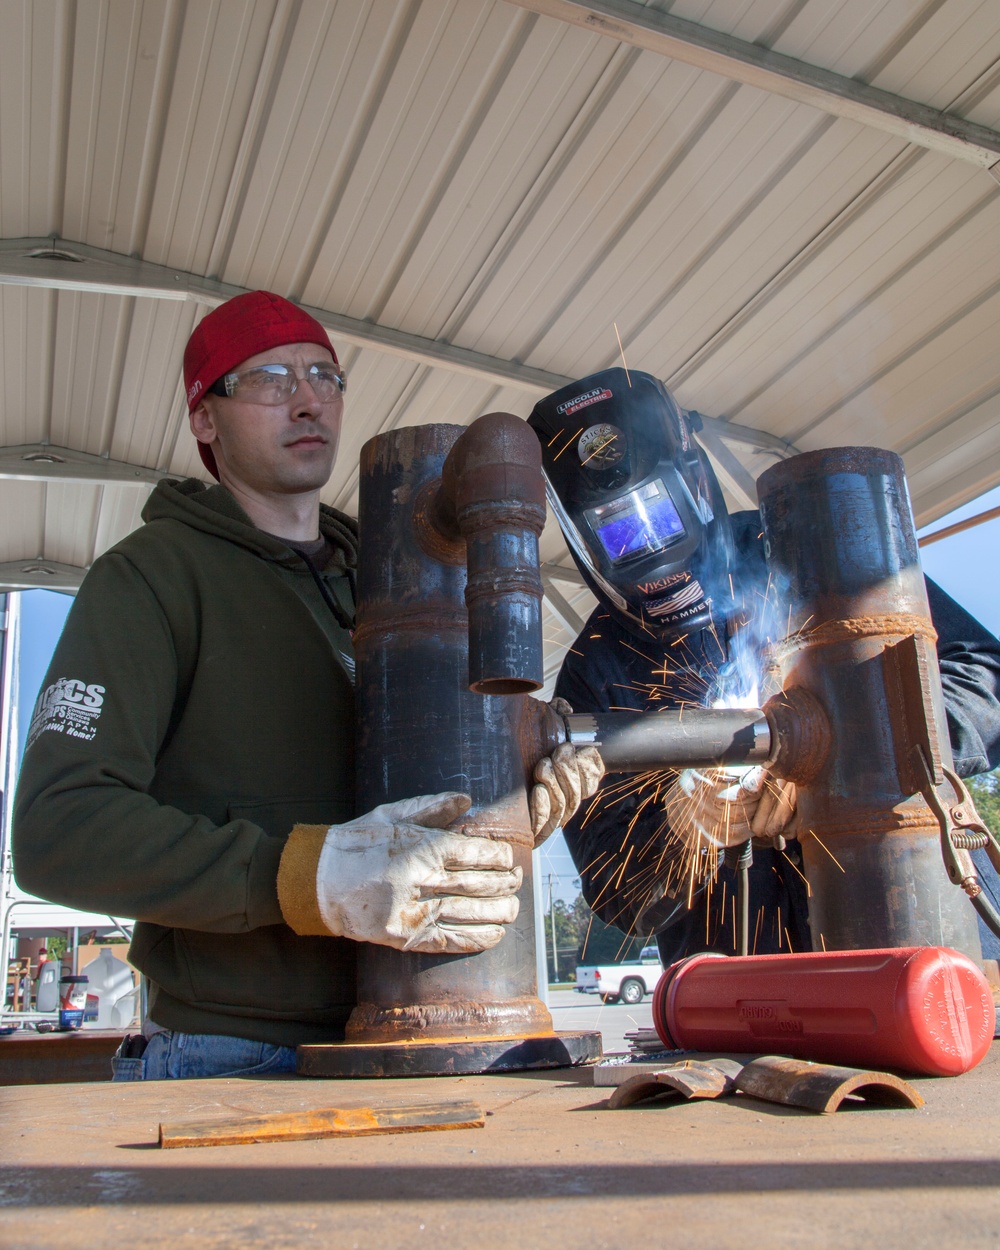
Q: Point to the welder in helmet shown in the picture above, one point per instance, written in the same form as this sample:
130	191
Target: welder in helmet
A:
685	611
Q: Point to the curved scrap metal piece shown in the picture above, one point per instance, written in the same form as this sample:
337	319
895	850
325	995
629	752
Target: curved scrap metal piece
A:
821	1086
693	1078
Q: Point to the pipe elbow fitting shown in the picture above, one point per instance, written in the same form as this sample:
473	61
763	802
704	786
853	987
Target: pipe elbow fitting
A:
493	475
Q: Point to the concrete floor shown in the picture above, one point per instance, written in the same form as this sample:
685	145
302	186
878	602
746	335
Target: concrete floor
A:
572	1011
552	1167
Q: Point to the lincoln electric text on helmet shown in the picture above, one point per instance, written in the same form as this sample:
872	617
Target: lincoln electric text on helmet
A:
637	500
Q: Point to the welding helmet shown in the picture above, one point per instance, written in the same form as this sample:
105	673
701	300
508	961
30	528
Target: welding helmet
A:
637	501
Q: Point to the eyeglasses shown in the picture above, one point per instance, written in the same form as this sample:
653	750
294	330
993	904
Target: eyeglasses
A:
273	384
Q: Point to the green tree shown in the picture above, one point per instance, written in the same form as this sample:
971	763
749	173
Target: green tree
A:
985	791
583	938
559	918
600	943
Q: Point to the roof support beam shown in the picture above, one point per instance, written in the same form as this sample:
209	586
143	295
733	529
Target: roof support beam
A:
747	436
59	265
40	575
65	266
735	478
560	607
680	40
42	462
562	573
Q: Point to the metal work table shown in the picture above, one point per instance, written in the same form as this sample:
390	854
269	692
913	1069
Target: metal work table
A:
79	1167
28	1058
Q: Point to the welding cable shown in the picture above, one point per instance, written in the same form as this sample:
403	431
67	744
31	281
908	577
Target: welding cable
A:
987	912
962	831
738	859
964	838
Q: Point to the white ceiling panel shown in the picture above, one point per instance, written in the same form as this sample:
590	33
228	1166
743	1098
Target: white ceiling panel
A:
90	340
22	519
119	513
25	364
475	175
917	216
71	515
150	414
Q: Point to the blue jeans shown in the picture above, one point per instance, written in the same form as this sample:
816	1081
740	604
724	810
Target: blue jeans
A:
187	1056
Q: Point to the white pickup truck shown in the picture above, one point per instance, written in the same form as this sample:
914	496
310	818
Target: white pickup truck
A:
626	982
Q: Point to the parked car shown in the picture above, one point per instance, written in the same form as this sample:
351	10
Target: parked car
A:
627	982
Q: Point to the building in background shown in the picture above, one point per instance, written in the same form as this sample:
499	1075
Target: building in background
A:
27	923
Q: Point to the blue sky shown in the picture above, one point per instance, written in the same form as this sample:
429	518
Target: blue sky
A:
962	565
42	615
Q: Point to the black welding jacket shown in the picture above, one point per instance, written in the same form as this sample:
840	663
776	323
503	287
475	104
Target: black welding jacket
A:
619	854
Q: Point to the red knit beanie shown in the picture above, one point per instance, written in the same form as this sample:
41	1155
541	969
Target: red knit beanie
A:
235	331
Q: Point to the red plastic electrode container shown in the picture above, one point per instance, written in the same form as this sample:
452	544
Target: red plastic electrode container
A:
921	1009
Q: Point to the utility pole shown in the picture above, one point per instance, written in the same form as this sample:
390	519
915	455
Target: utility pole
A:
552	922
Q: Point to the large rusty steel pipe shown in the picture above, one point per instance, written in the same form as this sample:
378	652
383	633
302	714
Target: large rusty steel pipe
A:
422	730
428	495
841	545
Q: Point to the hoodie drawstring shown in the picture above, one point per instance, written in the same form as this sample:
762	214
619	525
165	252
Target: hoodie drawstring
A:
340	616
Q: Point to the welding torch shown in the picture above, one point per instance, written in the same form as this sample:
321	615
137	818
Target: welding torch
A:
789	737
673	738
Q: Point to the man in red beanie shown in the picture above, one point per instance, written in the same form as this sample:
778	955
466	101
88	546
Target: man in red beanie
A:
232	336
194	737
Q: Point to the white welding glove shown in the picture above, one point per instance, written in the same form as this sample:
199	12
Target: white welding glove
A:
398	877
563	780
776	814
724	807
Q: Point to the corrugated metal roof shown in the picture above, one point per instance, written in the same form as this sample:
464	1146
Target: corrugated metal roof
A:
488	177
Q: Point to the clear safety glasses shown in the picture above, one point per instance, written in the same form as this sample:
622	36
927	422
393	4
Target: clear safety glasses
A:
274	384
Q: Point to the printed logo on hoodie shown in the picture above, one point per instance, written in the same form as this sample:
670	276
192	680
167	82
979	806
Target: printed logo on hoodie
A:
69	706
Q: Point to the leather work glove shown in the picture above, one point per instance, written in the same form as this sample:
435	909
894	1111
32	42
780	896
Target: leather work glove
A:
563	780
398	877
724	807
776	813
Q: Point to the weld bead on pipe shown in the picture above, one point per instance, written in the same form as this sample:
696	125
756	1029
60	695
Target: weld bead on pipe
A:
800	735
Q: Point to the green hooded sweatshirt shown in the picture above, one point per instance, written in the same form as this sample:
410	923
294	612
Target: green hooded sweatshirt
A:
198	705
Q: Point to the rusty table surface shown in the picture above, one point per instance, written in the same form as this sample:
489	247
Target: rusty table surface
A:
79	1167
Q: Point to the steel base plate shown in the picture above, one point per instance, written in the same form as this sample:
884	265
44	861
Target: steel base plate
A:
465	1057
